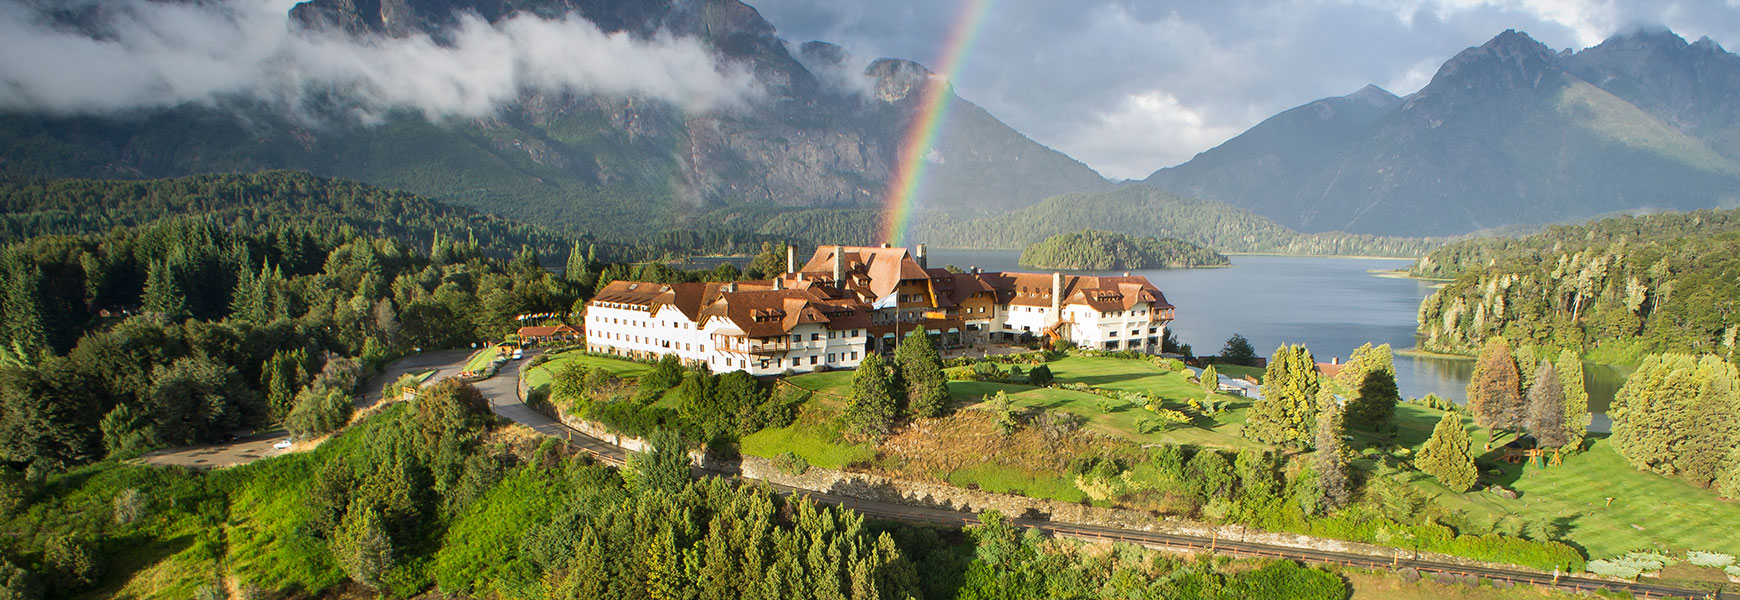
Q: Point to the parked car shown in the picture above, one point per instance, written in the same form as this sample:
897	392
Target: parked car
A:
282	444
518	354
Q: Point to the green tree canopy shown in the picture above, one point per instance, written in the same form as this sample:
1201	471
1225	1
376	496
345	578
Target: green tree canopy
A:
872	409
920	368
1287	411
1448	456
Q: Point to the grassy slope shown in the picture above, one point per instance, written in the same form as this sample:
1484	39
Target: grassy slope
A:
1648	510
539	376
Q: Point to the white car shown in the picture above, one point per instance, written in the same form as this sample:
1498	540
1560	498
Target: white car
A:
282	444
518	354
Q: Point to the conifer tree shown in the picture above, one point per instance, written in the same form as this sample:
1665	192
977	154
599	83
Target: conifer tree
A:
1494	392
1569	369
872	409
920	369
1371	375
21	307
1447	456
163	294
1546	418
1286	413
576	268
1331	455
1210	379
362	547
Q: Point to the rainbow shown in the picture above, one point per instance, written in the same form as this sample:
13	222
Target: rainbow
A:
920	135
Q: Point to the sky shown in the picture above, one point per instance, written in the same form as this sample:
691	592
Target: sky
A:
1129	86
142	54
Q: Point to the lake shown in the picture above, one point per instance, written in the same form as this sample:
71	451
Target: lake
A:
1332	305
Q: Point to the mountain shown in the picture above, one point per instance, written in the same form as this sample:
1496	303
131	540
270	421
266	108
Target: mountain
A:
824	131
1141	210
1506	133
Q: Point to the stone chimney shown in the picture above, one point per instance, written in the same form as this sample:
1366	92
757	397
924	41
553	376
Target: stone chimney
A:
790	258
919	256
840	266
1057	295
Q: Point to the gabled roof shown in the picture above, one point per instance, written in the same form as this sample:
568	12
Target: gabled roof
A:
769	312
871	272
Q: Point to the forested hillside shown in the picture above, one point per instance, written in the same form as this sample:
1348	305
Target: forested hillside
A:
1143	211
1617	288
30	207
1089	249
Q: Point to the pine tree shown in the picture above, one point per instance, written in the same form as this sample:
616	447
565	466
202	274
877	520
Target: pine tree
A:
920	369
1447	456
1569	369
362	547
21	325
1286	413
1371	375
1494	392
1210	379
576	269
872	409
1331	456
163	294
1546	418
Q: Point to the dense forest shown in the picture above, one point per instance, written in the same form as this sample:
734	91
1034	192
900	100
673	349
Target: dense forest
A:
1615	289
1144	211
30	207
169	333
1100	250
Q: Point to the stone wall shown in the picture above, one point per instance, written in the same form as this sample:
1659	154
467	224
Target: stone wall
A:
934	495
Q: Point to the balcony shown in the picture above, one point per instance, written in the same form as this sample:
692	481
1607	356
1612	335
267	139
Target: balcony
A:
739	345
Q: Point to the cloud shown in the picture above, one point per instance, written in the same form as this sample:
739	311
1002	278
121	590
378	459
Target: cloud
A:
1064	72
147	55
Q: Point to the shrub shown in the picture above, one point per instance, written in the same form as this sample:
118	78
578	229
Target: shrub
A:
1709	559
129	506
1040	376
790	463
1732	571
72	563
17	583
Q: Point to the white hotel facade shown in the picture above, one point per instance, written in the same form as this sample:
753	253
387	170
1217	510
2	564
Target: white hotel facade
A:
848	301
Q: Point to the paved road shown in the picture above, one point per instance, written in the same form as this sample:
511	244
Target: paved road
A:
504	397
447	363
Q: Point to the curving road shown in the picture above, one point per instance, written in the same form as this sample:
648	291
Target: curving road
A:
504	398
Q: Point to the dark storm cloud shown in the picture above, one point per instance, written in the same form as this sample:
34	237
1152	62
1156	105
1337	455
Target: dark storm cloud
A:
1128	87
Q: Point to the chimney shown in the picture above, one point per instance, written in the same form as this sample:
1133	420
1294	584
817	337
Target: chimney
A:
1335	360
778	283
731	287
920	256
790	258
1126	273
1057	295
974	269
840	266
885	244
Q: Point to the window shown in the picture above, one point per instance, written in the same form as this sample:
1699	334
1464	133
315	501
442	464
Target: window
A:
815	337
830	336
1135	332
854	333
1112	334
813	359
795	338
830	357
854	355
763	363
728	362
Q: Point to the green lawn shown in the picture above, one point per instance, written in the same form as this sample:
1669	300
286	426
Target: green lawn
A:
539	376
817	446
1648	511
1004	479
481	359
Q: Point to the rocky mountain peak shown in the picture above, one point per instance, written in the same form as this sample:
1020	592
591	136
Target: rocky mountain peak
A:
1508	61
897	78
1374	95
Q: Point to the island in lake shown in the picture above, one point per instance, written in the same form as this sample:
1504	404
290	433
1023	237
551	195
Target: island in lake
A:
1102	250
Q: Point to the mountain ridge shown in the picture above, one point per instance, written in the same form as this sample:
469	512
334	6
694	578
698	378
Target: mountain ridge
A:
1506	133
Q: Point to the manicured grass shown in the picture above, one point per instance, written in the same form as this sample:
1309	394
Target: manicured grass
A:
1005	479
1648	510
482	358
1240	371
833	383
539	376
817	446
